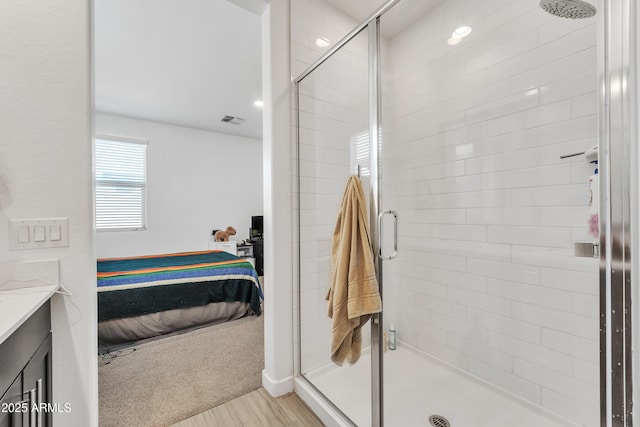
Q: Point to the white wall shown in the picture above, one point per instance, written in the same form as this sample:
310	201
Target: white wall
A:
277	376
197	181
45	160
486	278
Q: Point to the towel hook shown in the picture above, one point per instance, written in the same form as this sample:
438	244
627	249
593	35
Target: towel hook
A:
358	170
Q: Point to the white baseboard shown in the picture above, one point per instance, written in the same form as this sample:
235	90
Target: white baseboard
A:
277	387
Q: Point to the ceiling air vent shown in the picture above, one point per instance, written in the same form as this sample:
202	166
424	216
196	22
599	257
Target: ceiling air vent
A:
232	119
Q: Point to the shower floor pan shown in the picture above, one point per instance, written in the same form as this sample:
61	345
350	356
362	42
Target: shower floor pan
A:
417	387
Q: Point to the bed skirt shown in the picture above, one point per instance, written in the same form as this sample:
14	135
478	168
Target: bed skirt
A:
130	329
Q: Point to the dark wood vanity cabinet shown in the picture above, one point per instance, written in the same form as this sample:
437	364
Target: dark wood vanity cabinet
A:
25	373
12	399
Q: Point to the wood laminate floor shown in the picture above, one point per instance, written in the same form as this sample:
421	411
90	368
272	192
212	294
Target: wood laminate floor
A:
257	409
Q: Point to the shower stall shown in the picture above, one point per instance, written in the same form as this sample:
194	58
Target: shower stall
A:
489	137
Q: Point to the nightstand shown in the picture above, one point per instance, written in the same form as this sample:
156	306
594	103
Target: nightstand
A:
246	251
230	246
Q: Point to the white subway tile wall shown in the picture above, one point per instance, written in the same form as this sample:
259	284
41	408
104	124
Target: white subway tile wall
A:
485	278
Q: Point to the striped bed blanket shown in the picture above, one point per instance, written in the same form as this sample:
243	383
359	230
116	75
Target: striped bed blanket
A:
135	286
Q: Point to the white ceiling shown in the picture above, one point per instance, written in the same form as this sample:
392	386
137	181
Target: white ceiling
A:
191	62
402	15
185	62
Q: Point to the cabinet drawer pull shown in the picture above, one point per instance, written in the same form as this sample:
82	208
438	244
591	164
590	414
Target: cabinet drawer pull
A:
32	414
40	398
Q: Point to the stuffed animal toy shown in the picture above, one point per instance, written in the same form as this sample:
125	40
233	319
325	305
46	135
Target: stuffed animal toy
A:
223	235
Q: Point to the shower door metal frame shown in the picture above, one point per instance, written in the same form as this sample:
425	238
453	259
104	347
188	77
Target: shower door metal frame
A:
375	202
619	229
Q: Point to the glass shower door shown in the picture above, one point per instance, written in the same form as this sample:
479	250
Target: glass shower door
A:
496	319
333	128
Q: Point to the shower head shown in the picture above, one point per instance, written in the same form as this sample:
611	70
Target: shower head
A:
572	9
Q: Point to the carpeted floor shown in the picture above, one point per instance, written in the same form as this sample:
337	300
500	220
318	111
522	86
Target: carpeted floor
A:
168	380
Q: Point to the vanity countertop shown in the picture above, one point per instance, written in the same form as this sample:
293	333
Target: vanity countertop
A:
17	305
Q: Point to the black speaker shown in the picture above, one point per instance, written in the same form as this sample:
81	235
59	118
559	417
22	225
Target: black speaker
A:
258	248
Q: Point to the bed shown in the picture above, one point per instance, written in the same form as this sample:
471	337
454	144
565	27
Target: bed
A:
148	296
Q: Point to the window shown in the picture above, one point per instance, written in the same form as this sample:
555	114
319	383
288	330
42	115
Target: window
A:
359	144
359	149
120	168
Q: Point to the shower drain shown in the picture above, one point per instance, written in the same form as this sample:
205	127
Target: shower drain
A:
439	421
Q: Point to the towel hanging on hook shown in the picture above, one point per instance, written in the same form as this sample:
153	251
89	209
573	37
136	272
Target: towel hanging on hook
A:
354	294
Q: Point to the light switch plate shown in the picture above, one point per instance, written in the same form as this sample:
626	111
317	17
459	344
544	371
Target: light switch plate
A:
38	232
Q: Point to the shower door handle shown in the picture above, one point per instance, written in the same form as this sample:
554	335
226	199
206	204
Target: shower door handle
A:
395	234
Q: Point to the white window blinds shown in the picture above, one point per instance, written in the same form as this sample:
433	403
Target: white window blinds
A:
359	147
120	168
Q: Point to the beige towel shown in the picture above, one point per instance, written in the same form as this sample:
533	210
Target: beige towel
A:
354	293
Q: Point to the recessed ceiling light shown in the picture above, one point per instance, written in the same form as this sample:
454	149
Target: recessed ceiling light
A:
259	103
461	32
320	42
454	40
